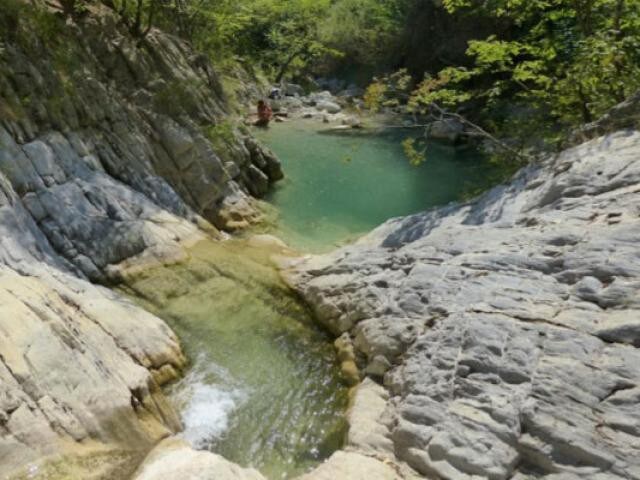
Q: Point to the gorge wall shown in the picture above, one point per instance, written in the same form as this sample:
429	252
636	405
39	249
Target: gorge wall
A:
115	154
111	127
505	331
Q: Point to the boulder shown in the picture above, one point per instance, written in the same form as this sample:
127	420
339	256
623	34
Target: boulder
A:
323	96
329	107
173	458
449	130
292	90
292	103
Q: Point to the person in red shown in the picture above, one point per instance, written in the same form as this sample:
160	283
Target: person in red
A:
264	114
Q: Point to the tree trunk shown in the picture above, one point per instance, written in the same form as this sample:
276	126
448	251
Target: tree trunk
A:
285	66
136	29
152	11
587	117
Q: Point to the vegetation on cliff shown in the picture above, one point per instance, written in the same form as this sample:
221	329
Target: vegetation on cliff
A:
525	71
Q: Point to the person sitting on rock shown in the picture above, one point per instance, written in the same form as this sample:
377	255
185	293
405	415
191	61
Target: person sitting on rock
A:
264	114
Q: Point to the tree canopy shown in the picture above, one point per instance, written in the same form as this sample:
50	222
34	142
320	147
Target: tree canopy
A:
514	66
558	63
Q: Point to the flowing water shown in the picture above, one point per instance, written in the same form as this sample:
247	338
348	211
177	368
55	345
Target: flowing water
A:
264	389
340	185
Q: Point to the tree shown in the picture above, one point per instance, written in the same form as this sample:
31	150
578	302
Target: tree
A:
295	40
138	15
364	30
563	62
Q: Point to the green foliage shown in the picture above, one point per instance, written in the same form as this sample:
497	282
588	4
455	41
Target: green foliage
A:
138	15
9	19
374	95
417	154
281	37
178	96
221	132
285	38
388	91
436	90
224	138
364	30
25	24
563	62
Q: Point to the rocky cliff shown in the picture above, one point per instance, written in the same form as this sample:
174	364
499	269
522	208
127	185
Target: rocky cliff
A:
115	153
506	331
98	128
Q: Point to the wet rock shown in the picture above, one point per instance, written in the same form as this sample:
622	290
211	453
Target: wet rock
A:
266	241
100	180
75	359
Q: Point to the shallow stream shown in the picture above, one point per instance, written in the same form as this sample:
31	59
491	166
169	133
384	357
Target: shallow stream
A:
264	389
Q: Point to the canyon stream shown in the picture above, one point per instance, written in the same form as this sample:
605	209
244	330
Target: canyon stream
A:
263	388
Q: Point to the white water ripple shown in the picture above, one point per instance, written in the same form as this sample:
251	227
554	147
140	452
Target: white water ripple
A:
206	398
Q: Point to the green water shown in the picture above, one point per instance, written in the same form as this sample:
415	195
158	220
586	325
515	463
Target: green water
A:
264	389
339	186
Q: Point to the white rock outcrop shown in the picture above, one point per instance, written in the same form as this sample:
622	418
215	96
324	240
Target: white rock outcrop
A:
174	459
105	170
510	325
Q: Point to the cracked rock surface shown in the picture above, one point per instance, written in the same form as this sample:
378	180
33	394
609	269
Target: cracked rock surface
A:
108	141
507	330
108	164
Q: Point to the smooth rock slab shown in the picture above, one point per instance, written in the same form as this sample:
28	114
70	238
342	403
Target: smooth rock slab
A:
174	459
354	466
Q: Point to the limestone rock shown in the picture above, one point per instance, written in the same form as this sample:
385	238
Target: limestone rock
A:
367	432
510	324
293	90
354	466
76	366
447	130
174	459
328	106
103	173
137	131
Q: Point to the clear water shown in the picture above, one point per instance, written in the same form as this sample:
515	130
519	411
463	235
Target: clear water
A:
339	185
264	389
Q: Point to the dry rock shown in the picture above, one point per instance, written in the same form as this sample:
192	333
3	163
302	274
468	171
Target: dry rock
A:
510	324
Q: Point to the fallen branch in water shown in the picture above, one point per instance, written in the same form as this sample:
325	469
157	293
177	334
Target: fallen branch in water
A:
481	132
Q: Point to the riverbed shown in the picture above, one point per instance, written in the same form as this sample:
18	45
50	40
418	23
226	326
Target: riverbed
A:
263	388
